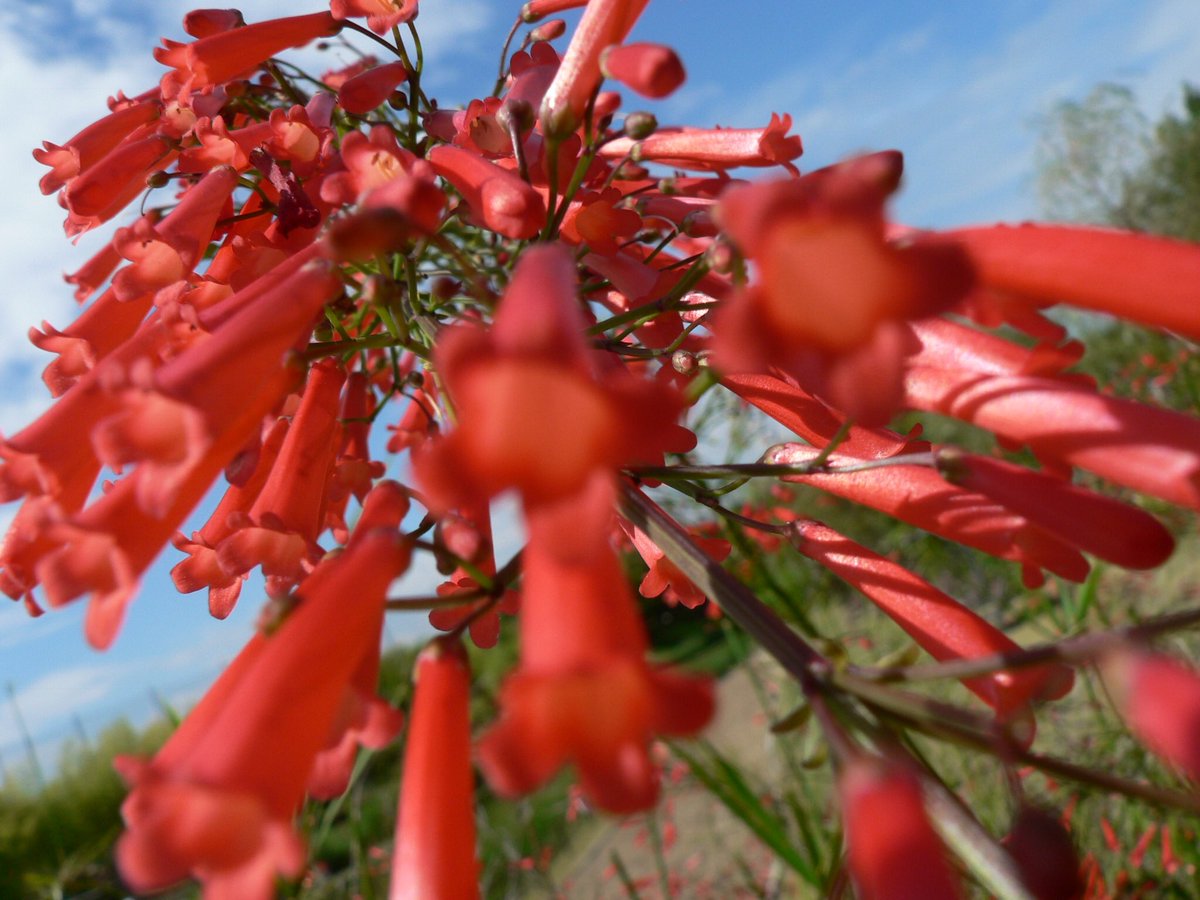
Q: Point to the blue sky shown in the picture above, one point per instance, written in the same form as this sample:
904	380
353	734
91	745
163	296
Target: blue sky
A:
957	86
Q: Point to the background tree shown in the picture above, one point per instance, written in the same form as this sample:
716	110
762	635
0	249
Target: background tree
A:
1101	161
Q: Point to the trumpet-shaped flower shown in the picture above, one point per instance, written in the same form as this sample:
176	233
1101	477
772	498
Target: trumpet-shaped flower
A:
583	692
434	855
943	627
892	850
216	802
534	413
1160	699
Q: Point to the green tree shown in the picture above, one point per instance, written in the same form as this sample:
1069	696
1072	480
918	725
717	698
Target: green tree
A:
1101	161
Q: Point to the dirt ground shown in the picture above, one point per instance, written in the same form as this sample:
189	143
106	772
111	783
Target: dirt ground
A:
708	852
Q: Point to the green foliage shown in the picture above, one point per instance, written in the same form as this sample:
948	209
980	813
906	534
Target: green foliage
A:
1100	161
57	840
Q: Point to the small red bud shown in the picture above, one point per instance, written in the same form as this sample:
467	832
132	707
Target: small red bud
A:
548	31
650	69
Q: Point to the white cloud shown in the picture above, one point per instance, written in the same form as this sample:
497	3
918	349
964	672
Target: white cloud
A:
963	105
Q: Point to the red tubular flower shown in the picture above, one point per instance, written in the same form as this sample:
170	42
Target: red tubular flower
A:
714	149
941	625
1159	698
104	550
534	412
891	848
169	417
650	69
419	422
216	802
497	198
52	455
96	332
222	56
434	853
94	272
820	244
664	577
200	23
280	531
1138	277
583	692
1149	449
354	471
595	219
468	534
201	569
833	293
604	22
968	515
167	252
364	92
795	408
107	187
539	9
382	15
1114	531
548	31
94	143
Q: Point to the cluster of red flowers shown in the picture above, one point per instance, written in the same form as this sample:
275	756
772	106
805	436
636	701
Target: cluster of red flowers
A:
544	286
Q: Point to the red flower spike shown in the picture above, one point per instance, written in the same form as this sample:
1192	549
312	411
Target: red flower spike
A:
892	850
434	853
650	69
104	550
370	89
1159	697
1138	277
583	692
381	15
497	198
941	625
216	802
222	56
1107	528
604	22
714	149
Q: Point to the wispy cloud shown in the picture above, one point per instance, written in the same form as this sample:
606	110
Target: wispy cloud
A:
962	96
